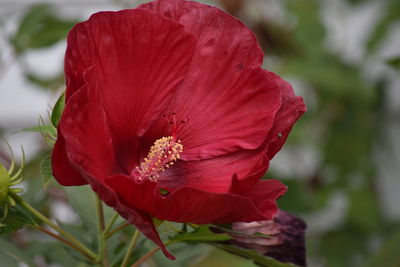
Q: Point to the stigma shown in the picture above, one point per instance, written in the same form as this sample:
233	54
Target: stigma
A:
162	155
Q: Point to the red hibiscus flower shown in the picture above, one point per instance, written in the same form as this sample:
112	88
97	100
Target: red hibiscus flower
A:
169	115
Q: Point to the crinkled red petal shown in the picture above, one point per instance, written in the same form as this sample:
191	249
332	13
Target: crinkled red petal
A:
291	109
229	101
192	205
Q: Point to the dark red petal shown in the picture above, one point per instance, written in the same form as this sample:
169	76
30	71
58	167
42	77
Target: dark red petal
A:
229	117
292	108
192	205
87	137
142	221
89	160
64	173
215	174
229	100
139	59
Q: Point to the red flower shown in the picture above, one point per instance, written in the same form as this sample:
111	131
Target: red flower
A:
169	115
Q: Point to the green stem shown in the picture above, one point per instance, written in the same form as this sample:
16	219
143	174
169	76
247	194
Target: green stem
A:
102	258
149	254
82	248
111	223
100	214
145	257
119	228
60	238
131	247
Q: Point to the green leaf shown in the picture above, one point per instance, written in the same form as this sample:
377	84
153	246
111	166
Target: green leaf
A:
11	255
40	28
47	129
388	255
254	256
391	14
295	200
7	260
201	234
15	220
51	83
46	170
83	202
394	62
222	229
55	253
57	110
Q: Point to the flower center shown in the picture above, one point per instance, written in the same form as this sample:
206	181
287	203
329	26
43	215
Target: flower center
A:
162	155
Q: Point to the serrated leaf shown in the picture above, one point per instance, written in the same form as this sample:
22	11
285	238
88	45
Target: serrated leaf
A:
46	170
254	256
201	234
14	221
57	110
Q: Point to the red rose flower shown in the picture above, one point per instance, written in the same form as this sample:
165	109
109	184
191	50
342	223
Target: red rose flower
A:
168	114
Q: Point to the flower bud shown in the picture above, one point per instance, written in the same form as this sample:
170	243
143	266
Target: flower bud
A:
5	183
284	238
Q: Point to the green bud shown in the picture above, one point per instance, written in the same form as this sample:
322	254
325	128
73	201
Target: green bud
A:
5	183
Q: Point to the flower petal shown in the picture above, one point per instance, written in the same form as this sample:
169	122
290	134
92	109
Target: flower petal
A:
213	30
142	221
86	133
139	58
85	126
229	100
290	111
215	175
62	170
192	205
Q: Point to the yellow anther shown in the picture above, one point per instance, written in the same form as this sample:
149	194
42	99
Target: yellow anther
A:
162	155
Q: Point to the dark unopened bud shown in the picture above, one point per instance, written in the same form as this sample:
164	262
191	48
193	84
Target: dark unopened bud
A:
284	237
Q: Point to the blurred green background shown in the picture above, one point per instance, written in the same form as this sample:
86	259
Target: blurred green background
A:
341	162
